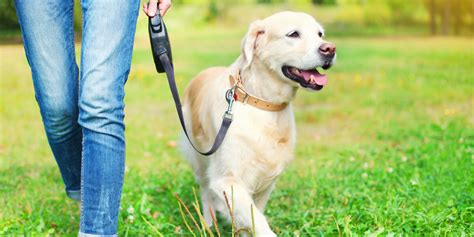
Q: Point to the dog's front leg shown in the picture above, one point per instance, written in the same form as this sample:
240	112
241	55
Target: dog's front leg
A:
243	202
261	198
206	201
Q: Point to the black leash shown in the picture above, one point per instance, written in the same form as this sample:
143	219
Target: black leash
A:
161	49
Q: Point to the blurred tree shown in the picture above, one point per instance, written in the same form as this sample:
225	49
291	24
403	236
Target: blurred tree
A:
217	9
77	16
445	17
462	13
212	10
402	11
270	1
8	17
324	2
438	16
453	16
431	5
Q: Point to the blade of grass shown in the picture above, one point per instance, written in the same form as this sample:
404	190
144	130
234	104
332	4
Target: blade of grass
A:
337	226
232	198
203	222
215	222
187	211
183	216
253	221
198	210
152	227
230	213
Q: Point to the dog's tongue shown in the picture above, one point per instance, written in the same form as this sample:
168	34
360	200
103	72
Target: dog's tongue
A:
314	77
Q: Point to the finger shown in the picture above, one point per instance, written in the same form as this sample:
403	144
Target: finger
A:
164	6
145	8
152	8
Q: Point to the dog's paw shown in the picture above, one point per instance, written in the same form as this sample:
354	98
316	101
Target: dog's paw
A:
267	233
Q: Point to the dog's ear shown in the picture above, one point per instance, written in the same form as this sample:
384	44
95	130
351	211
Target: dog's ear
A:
250	41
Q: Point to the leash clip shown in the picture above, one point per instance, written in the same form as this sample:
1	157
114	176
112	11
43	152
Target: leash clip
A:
230	98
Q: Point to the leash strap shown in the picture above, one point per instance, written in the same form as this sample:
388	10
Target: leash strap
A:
226	119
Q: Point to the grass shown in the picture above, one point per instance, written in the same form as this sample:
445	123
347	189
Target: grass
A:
386	148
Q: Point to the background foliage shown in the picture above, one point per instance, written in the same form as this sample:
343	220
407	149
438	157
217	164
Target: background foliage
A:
445	17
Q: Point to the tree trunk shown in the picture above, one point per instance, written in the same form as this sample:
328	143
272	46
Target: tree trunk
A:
445	19
432	12
458	23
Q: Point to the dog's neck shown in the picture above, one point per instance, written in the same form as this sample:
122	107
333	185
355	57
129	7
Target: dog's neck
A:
264	83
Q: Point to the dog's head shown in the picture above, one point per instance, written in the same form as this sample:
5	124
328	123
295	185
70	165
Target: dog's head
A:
291	45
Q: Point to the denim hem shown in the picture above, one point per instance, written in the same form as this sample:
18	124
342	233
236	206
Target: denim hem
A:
81	234
74	194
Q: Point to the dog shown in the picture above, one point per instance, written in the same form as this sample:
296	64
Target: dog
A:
279	54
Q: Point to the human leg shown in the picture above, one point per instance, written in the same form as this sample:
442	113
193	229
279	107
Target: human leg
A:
108	33
48	37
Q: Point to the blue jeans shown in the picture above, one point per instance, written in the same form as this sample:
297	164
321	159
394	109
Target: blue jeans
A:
83	111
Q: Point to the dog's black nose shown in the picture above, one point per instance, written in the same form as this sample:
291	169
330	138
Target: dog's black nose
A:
327	49
326	66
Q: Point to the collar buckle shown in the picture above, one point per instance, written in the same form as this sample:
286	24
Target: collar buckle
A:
241	95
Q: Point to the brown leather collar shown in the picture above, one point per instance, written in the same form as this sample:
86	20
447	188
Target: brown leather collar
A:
244	97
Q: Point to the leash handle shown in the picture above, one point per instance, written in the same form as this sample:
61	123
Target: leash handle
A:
226	119
160	43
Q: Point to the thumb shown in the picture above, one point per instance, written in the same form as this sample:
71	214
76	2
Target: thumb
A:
152	8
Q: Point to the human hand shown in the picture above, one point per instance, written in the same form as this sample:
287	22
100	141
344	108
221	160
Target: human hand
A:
151	7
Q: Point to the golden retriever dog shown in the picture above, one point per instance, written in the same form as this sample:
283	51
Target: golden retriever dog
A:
280	54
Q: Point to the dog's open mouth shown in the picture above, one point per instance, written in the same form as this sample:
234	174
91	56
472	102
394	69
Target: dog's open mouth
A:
311	79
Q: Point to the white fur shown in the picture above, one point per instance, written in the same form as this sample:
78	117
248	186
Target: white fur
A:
259	144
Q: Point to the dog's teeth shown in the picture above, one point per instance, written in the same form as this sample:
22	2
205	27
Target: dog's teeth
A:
312	79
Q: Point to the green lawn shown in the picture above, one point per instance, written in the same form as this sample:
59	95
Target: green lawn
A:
387	147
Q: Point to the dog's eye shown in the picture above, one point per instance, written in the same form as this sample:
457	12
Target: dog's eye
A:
320	34
293	34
